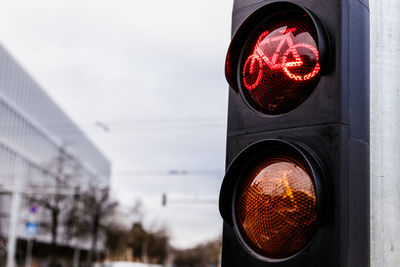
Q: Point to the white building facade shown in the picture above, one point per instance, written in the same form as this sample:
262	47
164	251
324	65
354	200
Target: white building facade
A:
33	130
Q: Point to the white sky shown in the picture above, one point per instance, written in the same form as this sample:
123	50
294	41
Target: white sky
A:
153	72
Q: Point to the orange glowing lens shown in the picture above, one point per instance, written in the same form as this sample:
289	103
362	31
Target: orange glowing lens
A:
276	206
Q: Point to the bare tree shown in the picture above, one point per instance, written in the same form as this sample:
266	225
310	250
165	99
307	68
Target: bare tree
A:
71	217
206	254
117	238
60	171
148	245
98	209
135	242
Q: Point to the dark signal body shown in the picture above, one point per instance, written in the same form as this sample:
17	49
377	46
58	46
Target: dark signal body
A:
314	104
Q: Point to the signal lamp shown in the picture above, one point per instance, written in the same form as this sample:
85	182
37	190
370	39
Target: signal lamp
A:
274	191
276	206
280	64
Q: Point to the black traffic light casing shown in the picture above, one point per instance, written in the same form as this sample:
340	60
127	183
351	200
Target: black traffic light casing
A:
332	126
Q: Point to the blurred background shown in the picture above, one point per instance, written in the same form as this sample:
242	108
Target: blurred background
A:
112	132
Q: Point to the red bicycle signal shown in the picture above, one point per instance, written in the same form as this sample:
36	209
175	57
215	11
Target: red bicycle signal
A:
280	64
259	58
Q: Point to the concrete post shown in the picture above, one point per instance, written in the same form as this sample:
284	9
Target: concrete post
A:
385	133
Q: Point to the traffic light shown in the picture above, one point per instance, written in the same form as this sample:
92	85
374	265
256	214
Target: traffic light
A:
164	199
77	194
296	189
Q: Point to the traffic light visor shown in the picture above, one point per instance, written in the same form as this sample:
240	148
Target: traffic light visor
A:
277	57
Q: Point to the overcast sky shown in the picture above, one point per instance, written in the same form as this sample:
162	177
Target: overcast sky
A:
152	71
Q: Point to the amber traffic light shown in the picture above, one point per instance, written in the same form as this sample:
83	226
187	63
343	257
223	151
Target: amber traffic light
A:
276	206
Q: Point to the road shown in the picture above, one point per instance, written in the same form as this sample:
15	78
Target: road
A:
126	264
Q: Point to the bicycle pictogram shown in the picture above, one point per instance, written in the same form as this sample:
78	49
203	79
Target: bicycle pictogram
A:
284	60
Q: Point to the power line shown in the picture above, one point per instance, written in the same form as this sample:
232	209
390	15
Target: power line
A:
169	172
127	127
172	172
57	125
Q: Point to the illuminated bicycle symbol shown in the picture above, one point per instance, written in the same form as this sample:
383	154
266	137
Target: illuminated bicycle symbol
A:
256	62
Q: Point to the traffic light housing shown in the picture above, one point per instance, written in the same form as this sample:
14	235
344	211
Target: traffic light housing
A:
296	192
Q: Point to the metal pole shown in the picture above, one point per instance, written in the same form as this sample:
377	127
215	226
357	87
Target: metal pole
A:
76	256
28	256
75	262
385	133
13	223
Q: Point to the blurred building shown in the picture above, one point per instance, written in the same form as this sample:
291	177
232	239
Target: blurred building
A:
33	131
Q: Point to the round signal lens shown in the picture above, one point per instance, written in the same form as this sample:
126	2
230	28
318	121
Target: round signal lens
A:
276	206
280	63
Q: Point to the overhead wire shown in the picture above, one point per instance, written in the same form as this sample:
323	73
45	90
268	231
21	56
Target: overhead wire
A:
127	126
183	172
